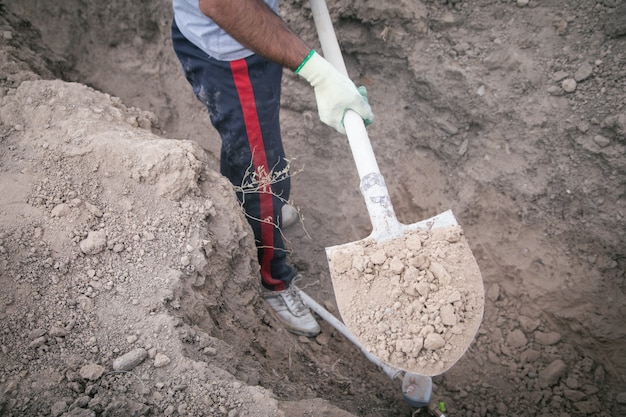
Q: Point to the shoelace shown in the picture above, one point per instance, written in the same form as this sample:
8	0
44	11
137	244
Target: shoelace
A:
293	301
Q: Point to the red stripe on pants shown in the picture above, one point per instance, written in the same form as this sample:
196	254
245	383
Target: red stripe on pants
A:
259	160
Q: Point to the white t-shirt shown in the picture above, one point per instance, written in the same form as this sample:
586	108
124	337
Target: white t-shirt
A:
206	34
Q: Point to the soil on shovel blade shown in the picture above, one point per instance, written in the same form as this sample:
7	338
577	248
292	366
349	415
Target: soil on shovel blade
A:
128	279
415	301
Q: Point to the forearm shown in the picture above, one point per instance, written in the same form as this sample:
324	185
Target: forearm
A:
258	28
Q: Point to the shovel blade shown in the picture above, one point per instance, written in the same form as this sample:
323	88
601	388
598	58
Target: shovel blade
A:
414	300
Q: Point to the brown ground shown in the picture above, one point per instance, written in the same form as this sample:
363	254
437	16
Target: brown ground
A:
116	239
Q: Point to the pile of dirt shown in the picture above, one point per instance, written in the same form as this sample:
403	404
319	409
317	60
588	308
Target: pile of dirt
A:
127	273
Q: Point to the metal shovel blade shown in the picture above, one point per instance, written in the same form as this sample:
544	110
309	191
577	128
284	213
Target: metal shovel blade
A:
415	300
410	294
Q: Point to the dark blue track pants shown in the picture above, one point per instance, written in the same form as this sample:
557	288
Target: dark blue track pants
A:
243	100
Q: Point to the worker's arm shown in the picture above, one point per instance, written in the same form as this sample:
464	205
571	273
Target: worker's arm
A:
258	28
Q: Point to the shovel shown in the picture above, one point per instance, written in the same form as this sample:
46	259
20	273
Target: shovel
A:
412	295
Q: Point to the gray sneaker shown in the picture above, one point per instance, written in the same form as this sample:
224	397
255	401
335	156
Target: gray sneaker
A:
292	312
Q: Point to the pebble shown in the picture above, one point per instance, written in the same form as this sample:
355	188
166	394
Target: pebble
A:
434	341
95	242
601	141
323	338
529	324
529	356
161	360
58	408
396	266
40	341
61	210
56	331
569	85
36	333
379	257
572	382
130	360
583	72
118	247
522	3
547	339
493	293
94	210
516	339
559	76
555	91
448	318
91	372
551	374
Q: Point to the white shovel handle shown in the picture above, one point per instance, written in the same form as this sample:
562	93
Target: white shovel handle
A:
384	222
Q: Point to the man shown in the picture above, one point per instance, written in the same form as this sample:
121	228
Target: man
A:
233	53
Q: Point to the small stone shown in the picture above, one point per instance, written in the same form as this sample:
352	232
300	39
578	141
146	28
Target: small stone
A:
516	339
95	242
547	339
551	374
91	372
569	85
572	382
529	356
583	72
448	318
463	147
560	25
555	91
56	331
130	360
589	406
396	266
528	324
559	76
440	272
422	288
493	293
413	242
434	341
522	3
379	257
36	333
601	141
40	341
323	339
58	408
61	210
94	210
161	360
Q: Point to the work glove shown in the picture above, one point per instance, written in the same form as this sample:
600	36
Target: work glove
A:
334	92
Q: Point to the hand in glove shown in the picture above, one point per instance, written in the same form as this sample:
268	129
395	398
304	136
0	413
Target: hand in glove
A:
334	92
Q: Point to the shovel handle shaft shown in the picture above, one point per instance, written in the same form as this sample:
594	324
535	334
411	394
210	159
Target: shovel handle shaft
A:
391	372
384	222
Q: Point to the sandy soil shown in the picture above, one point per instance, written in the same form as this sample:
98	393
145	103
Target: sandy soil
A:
127	270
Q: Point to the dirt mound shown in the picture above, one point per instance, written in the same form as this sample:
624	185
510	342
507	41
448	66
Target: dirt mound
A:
126	267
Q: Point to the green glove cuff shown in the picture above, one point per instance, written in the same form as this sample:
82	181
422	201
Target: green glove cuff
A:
305	61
